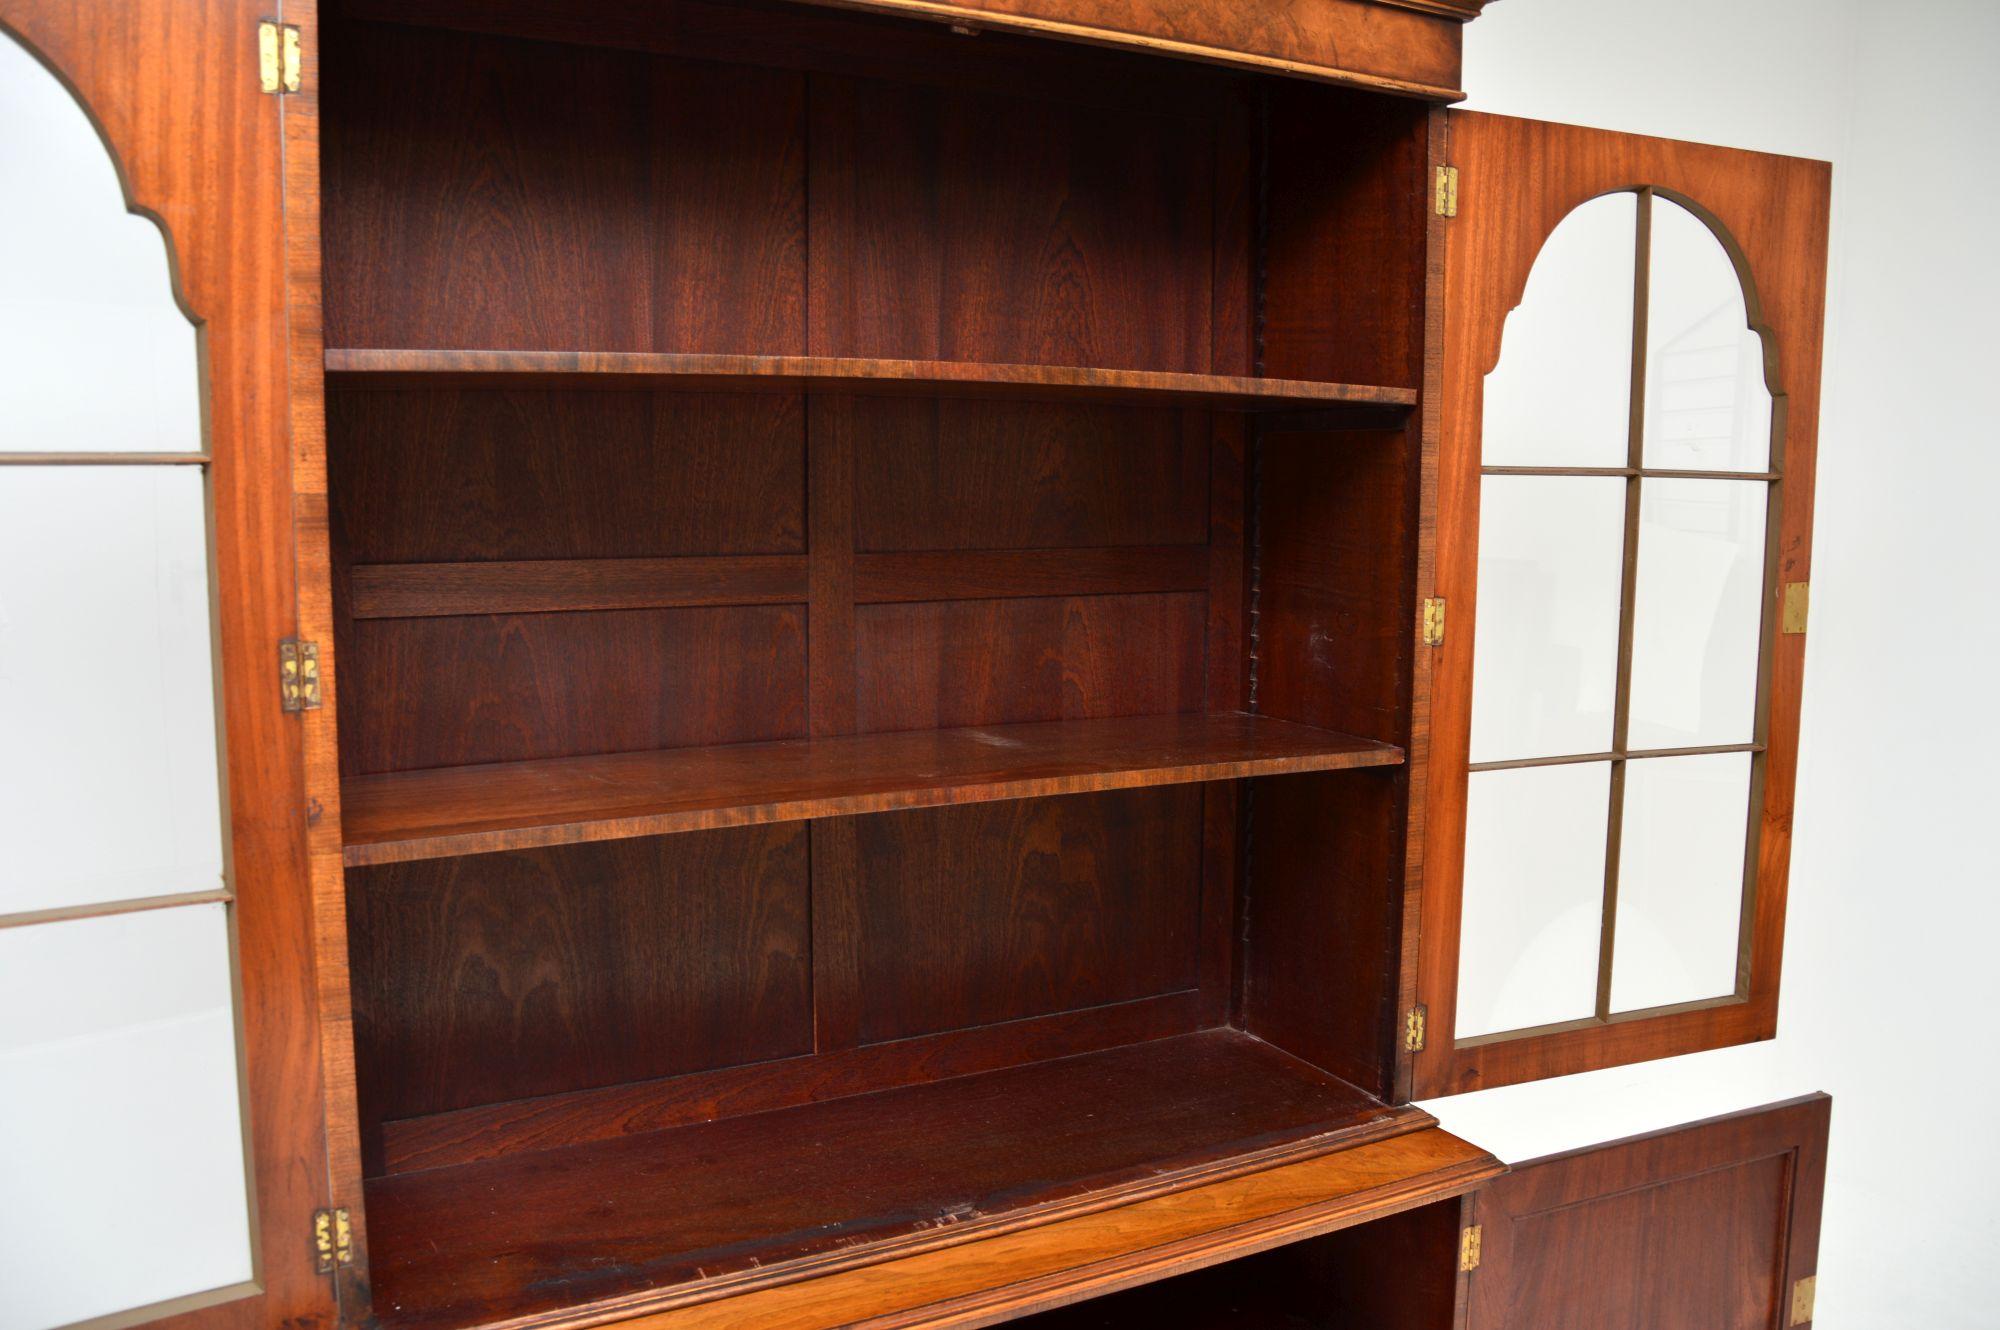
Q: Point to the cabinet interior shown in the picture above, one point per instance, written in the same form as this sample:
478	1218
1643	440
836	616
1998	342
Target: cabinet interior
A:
1397	1273
741	419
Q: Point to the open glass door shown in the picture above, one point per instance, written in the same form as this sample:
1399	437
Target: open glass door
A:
1631	377
162	1140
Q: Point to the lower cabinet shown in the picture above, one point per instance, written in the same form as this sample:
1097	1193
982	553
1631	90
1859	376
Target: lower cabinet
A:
1711	1226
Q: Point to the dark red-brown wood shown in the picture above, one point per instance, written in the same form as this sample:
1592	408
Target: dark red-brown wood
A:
908	1168
1005	911
425	814
439	692
497	977
1704	1227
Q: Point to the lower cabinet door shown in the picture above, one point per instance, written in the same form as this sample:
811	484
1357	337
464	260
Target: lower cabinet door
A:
1713	1226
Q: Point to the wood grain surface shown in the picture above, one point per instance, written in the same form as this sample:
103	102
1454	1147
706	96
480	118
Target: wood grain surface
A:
350	367
425	814
1703	1227
618	1218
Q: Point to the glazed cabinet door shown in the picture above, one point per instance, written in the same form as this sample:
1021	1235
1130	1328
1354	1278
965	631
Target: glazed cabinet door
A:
1713	1226
1624	505
162	1102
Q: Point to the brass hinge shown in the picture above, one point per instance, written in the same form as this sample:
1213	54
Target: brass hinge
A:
298	675
1413	1028
1803	1293
1434	621
333	1239
1793	620
1468	1248
277	57
1447	191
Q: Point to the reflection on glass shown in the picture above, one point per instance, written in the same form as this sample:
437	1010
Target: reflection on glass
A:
1545	658
1561	394
1533	908
1707	408
118	1106
122	1149
1680	880
98	356
108	785
1698	612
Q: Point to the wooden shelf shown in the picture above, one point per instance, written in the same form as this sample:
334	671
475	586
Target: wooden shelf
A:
1031	1158
411	815
620	369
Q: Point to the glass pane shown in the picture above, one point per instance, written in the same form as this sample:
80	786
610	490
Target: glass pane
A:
1680	879
1707	408
121	1136
108	784
1561	394
98	355
1545	650
1533	913
1698	612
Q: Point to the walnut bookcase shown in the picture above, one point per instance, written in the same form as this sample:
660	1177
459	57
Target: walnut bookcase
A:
890	749
873	577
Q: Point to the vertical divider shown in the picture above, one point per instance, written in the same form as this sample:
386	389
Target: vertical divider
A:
1227	689
830	669
1221	864
1621	721
1228	564
830	694
836	954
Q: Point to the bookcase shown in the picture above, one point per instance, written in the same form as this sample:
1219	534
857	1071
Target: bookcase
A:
887	591
872	607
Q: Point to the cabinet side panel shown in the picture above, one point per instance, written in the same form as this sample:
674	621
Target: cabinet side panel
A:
1336	561
1344	236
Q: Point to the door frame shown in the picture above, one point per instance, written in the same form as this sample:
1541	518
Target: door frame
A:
1517	180
174	90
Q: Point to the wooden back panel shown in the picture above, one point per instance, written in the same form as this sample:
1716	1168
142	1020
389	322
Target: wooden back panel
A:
524	574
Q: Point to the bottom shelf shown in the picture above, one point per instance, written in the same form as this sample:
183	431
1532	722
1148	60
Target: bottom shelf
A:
1035	1154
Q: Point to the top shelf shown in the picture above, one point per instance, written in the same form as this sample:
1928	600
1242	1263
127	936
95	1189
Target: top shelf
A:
356	367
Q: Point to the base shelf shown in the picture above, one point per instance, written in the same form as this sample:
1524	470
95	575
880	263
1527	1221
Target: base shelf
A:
414	815
749	1206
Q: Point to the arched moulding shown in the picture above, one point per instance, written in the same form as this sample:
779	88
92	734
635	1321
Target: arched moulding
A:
1631	379
104	352
1577	290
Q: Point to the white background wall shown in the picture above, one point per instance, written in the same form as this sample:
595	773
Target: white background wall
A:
1892	961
